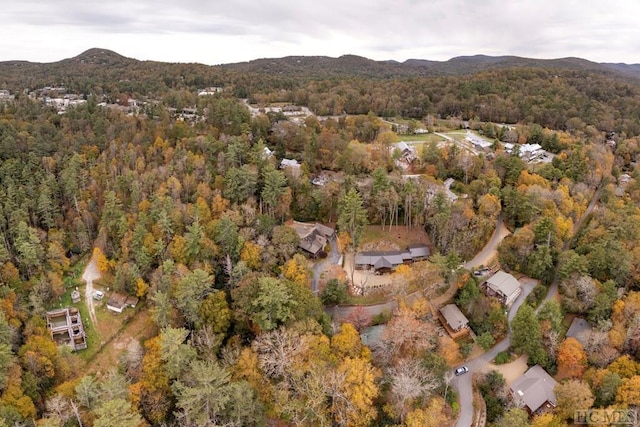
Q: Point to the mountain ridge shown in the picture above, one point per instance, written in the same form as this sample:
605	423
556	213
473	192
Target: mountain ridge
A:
104	67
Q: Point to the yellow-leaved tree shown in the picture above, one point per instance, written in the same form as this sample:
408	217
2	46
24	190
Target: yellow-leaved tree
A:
354	390
101	260
296	270
251	255
433	415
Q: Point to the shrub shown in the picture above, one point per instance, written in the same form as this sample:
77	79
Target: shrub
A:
381	318
502	357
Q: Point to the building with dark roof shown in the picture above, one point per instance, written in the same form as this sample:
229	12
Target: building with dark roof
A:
385	261
313	237
535	390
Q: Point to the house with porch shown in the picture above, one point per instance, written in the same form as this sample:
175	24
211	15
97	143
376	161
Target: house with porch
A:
503	286
454	321
534	390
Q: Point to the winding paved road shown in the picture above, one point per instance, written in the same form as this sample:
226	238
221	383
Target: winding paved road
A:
490	250
463	384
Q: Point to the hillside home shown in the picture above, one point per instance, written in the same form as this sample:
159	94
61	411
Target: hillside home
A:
454	321
407	152
313	237
503	286
291	165
528	152
534	390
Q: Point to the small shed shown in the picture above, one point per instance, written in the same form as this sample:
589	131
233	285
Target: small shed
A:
75	296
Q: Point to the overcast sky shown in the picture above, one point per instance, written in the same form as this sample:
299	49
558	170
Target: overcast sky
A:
217	32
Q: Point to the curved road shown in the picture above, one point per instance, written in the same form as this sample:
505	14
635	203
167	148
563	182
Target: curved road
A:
491	248
463	383
482	258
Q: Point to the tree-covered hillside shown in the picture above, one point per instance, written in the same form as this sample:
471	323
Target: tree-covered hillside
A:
182	202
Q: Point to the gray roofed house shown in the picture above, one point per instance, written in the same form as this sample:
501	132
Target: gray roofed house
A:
381	260
419	252
535	390
313	237
407	152
389	260
454	317
503	286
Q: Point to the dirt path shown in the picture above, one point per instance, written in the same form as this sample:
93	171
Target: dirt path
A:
90	274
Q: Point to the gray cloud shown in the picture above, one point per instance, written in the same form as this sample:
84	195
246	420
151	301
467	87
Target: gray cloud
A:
246	29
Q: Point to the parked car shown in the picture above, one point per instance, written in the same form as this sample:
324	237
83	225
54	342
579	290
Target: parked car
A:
461	370
98	295
481	272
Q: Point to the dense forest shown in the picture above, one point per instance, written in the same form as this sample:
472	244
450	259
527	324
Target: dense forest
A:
191	217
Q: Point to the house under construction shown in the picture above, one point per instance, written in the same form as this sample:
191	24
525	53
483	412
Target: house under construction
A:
66	328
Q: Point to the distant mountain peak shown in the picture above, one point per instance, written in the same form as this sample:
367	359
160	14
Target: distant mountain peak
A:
100	56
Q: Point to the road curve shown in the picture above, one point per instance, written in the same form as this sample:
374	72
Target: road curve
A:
462	384
491	248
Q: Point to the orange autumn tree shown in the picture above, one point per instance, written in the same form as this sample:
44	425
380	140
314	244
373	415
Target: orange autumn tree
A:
572	359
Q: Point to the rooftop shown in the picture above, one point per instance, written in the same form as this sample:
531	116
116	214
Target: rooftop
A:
534	388
454	316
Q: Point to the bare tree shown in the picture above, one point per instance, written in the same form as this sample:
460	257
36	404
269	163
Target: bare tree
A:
277	351
60	408
410	381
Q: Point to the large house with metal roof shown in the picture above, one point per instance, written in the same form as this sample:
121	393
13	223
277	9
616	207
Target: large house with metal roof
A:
386	261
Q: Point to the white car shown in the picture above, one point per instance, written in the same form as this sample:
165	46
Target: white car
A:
461	370
98	295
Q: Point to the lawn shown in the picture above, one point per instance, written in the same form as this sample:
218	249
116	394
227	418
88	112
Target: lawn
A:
400	236
108	323
424	138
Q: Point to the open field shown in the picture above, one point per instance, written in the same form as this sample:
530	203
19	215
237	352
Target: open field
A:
396	237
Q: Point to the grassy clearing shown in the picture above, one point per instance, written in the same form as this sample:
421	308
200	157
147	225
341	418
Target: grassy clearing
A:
371	299
421	139
108	324
398	235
